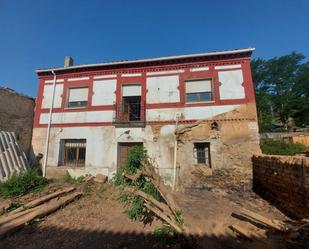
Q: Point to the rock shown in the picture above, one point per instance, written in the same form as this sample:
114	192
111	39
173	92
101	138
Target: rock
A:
5	205
99	178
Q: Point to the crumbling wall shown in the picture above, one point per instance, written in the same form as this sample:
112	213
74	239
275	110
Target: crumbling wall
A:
233	138
16	115
284	180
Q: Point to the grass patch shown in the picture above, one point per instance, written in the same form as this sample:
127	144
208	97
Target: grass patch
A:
166	235
274	147
23	183
72	180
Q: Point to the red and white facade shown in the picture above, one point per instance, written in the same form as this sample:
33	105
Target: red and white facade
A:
161	88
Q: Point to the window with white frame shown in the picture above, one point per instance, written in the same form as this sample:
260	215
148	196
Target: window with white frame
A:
199	90
202	153
77	97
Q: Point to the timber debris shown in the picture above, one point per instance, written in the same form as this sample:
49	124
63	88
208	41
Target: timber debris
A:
167	211
38	208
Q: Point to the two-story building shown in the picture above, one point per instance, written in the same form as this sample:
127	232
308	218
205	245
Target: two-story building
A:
88	116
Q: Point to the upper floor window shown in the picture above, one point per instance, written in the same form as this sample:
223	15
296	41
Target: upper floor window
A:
78	97
199	90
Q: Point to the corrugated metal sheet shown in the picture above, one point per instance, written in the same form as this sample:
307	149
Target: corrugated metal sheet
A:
12	158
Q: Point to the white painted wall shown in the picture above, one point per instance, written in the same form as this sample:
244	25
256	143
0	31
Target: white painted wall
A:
102	147
163	89
189	113
78	117
231	85
200	112
104	92
48	95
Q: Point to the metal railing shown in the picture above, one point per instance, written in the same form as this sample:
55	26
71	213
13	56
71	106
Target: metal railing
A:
130	112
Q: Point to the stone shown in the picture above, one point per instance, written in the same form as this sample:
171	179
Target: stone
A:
5	205
99	178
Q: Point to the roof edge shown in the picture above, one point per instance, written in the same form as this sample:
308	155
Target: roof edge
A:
226	52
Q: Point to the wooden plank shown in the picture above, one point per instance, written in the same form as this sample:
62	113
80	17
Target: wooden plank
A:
257	218
149	198
43	199
134	177
40	212
164	217
243	232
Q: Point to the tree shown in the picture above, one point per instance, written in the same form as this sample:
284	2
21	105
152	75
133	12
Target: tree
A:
281	87
263	98
301	89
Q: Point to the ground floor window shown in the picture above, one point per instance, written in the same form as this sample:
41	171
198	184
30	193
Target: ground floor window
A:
72	152
202	153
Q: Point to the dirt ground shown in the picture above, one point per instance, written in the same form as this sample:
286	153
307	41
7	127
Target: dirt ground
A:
97	221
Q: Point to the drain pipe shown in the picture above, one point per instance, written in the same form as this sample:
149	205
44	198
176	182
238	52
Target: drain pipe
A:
49	125
175	155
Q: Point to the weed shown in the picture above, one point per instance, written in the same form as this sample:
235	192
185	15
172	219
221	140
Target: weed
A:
273	147
166	234
119	180
135	209
150	189
72	180
23	183
178	217
135	156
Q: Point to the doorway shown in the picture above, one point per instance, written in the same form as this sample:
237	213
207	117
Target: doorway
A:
131	108
123	150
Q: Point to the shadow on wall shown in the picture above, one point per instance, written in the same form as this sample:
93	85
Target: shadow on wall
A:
35	161
33	237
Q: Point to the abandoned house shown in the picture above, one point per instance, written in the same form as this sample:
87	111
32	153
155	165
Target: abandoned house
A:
16	115
88	116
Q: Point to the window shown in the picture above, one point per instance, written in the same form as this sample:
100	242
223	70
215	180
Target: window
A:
130	107
72	152
78	97
202	153
199	90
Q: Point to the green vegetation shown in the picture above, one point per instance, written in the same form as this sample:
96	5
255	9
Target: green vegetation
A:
282	91
273	147
69	179
166	234
23	183
135	156
134	205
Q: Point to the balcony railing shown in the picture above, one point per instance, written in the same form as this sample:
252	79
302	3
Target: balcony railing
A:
129	114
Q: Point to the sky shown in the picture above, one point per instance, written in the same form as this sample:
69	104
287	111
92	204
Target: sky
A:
39	33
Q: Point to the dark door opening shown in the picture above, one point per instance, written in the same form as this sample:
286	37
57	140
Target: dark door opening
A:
131	108
123	150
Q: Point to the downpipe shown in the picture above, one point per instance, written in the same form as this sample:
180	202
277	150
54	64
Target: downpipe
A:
175	155
49	126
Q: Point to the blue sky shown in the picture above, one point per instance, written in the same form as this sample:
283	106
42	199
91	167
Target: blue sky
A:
35	34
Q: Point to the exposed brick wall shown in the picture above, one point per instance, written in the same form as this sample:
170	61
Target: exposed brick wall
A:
284	180
16	114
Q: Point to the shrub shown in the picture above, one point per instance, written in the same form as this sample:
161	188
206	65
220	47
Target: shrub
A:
136	155
274	147
72	180
22	183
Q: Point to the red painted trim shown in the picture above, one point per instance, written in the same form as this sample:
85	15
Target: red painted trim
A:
144	69
211	73
76	125
163	122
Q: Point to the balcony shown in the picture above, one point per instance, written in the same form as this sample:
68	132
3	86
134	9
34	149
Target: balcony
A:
130	112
